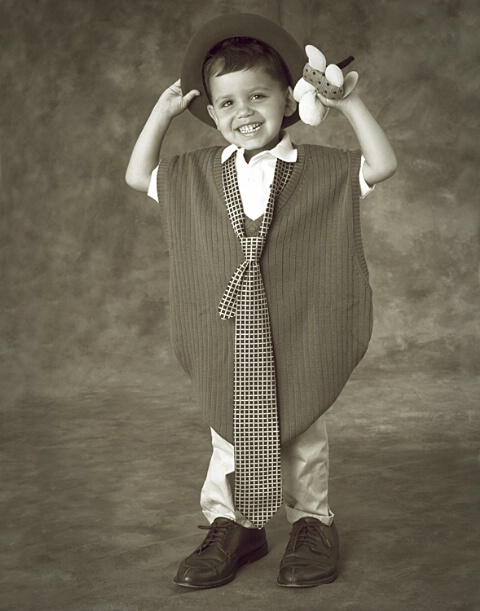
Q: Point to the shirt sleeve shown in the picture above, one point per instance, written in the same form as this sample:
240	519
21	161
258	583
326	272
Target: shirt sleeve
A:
365	188
152	187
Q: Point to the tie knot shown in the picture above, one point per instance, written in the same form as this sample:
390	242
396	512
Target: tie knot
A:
252	248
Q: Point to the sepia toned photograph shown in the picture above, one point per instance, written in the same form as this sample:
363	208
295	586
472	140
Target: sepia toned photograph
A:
240	305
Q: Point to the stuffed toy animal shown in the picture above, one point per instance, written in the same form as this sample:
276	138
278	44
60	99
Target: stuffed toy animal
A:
318	78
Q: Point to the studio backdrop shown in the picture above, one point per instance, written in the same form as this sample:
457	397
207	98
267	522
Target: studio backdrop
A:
84	284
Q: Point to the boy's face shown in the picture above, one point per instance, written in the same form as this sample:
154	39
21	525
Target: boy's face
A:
248	108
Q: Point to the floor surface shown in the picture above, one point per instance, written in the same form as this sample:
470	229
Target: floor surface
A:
100	499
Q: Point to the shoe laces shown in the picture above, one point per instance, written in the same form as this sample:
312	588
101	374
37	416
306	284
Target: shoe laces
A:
307	534
216	534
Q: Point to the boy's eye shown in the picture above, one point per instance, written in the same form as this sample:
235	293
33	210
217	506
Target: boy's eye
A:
257	96
226	104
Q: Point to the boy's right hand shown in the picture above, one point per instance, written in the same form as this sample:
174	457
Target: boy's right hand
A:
146	152
172	102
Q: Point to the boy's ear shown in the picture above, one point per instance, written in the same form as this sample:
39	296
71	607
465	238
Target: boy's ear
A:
212	114
290	103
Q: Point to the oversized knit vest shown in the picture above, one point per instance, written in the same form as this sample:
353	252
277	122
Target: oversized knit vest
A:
313	268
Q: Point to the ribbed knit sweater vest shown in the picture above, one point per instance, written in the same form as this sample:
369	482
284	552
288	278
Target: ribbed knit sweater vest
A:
313	268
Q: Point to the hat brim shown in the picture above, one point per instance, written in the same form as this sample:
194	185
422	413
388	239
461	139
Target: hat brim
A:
230	26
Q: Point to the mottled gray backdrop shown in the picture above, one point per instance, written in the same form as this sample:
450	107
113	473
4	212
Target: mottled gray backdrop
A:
84	285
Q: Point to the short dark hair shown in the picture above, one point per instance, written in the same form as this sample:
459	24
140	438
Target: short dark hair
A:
242	53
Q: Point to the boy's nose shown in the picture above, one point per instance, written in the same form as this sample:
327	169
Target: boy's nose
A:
244	110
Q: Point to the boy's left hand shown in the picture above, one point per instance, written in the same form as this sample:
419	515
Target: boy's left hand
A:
349	95
340	105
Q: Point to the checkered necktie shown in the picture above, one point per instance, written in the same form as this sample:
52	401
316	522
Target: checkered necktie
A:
258	477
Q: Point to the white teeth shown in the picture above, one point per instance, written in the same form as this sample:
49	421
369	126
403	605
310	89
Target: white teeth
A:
249	129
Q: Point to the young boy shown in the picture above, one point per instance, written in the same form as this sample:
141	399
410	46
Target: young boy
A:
271	356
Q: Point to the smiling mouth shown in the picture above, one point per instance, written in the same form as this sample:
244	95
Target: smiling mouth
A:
249	129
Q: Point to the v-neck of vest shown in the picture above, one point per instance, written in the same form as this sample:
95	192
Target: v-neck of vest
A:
287	192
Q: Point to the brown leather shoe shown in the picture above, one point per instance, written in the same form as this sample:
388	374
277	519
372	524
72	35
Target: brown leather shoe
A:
311	556
225	548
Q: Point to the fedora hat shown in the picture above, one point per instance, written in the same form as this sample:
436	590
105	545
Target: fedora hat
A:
234	25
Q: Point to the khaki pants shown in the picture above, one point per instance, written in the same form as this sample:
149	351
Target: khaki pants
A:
304	478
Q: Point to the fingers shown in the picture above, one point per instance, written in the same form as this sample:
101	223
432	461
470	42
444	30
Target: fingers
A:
325	101
190	95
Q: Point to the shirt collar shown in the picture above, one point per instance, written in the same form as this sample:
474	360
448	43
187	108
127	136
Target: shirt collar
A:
284	150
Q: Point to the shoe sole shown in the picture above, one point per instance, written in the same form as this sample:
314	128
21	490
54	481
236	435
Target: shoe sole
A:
248	559
309	584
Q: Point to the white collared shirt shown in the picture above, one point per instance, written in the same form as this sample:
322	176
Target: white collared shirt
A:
256	177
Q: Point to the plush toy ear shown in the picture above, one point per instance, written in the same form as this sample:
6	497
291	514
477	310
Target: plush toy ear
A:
316	59
334	75
349	83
